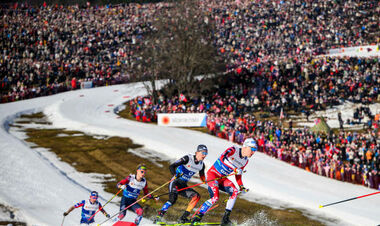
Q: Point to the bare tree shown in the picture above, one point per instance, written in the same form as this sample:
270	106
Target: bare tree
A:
151	65
179	47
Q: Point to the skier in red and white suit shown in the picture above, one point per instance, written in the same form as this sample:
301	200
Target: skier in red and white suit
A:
233	160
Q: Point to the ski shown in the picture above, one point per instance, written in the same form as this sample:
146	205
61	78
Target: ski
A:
180	224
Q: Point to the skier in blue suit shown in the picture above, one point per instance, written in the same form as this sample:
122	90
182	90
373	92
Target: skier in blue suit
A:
89	207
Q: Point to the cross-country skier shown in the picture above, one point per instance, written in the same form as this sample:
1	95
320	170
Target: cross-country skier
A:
89	207
234	159
132	186
183	169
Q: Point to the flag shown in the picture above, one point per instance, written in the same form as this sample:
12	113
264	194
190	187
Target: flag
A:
147	101
282	114
182	97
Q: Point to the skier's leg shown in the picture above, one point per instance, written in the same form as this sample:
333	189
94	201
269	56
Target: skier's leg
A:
194	196
123	204
230	188
213	189
173	196
139	211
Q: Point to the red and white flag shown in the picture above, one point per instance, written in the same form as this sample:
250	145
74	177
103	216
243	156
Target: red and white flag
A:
282	114
182	97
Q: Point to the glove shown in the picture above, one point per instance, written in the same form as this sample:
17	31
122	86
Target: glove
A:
122	186
107	215
238	171
243	189
65	214
156	198
178	175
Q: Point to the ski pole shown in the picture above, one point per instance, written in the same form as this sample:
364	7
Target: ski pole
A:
346	200
212	208
139	200
196	211
199	184
103	205
63	220
206	211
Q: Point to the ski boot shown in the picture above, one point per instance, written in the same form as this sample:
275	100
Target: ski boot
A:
184	218
226	219
197	218
159	216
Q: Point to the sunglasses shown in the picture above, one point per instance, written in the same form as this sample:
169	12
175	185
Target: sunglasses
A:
94	197
203	152
253	149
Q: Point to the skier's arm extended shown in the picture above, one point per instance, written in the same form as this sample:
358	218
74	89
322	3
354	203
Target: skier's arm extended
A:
79	204
181	161
121	184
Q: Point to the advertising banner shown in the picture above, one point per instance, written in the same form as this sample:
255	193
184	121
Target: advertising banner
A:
369	50
86	85
182	119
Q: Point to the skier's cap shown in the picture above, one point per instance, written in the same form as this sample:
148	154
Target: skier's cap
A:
94	195
249	142
202	148
141	167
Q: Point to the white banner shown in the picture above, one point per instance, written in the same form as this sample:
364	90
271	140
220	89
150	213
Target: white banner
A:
86	85
370	50
182	119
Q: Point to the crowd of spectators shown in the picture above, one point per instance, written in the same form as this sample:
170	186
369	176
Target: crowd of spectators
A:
261	31
301	87
327	82
46	47
22	91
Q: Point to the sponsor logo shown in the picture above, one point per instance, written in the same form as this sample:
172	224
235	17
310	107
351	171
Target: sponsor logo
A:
165	120
224	171
90	207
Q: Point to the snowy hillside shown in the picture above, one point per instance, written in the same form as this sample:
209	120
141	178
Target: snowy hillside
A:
42	188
